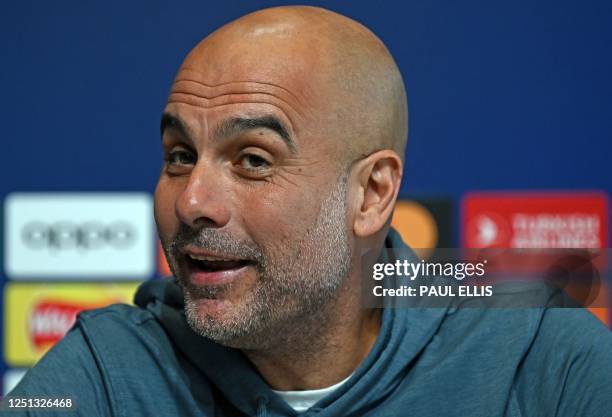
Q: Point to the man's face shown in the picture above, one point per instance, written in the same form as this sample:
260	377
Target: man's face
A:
250	205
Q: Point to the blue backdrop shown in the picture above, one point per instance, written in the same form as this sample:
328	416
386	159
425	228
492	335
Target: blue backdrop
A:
502	94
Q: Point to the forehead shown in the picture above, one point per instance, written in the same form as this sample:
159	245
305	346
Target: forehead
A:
239	78
240	97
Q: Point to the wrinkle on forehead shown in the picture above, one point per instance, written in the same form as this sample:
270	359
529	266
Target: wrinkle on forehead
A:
183	76
199	94
210	95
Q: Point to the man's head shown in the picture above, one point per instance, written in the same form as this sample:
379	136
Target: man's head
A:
283	137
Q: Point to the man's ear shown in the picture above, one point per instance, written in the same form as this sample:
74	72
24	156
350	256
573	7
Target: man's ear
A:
379	176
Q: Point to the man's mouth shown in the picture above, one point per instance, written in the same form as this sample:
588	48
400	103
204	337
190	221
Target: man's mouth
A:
205	269
213	264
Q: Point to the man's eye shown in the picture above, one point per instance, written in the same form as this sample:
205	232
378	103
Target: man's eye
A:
180	157
252	161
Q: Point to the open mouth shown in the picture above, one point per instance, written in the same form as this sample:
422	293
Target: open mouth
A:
213	264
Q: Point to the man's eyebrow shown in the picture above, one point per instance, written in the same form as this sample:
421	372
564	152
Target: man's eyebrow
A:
237	125
169	120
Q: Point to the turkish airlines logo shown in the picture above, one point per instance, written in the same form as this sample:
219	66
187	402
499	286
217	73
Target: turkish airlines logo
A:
87	235
563	220
543	230
552	230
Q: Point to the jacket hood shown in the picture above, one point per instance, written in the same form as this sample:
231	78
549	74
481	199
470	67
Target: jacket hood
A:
403	335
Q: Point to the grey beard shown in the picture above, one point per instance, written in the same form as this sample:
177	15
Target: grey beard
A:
292	291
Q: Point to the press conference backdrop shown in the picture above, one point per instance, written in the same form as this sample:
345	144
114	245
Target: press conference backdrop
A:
509	146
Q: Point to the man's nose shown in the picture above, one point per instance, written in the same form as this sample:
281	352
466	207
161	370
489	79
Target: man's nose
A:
203	203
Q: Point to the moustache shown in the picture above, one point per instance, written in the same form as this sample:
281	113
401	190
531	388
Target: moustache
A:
215	241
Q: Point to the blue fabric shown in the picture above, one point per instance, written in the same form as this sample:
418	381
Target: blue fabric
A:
146	361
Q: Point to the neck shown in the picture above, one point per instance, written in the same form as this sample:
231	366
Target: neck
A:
322	350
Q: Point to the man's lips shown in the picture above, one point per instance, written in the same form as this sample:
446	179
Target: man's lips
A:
206	268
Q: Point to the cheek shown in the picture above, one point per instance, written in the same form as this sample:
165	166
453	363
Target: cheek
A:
275	219
165	215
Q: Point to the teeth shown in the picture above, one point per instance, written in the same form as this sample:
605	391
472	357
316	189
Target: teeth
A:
210	258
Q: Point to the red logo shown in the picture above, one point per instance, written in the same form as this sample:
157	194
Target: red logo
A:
535	220
50	320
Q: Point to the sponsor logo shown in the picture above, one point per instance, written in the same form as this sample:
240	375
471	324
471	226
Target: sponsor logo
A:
50	320
424	224
540	221
545	220
68	235
41	314
79	236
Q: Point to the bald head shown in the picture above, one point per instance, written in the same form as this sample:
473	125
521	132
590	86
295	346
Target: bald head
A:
336	77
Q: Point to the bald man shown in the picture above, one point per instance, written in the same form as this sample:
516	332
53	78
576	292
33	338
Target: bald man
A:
283	138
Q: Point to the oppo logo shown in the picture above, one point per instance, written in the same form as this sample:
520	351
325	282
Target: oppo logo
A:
87	235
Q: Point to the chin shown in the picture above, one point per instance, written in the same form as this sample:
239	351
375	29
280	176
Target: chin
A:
219	321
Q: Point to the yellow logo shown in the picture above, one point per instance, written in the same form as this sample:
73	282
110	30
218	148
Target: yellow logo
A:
36	316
